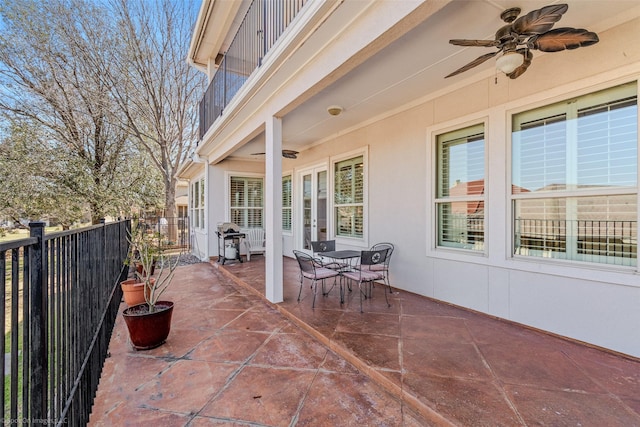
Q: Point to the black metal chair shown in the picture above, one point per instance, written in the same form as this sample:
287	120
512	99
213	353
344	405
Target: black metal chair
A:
384	267
369	270
309	269
320	246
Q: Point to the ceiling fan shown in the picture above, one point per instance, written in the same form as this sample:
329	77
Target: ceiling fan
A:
287	154
531	31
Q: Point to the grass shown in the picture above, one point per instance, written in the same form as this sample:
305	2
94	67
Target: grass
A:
20	233
7	378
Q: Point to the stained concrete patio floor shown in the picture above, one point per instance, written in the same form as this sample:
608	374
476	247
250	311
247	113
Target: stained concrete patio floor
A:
234	359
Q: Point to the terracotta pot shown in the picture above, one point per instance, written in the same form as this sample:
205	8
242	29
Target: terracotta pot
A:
133	291
148	330
140	268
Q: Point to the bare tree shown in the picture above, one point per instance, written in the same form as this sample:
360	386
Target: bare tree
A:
56	59
155	87
29	180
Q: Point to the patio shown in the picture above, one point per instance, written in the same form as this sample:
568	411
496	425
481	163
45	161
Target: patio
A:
232	358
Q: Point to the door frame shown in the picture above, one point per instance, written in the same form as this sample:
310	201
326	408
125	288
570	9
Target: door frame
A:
312	170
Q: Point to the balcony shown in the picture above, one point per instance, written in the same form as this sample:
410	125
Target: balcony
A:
233	358
261	27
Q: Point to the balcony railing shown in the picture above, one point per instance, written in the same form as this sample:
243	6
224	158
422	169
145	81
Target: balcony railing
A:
263	24
61	298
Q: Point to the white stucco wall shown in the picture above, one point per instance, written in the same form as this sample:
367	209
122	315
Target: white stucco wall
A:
592	303
218	183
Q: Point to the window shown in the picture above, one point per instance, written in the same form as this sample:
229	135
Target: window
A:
574	178
460	188
349	197
197	203
246	201
286	203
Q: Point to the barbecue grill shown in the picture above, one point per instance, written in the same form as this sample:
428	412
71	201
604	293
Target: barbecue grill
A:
229	236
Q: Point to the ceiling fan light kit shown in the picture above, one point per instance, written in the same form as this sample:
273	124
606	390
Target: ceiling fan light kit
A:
520	36
509	61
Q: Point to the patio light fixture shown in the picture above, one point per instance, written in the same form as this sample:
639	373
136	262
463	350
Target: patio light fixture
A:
334	110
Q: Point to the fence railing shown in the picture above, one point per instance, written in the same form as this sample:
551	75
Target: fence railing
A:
262	25
170	234
61	297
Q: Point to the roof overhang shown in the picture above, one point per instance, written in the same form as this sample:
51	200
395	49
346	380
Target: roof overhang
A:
345	55
215	23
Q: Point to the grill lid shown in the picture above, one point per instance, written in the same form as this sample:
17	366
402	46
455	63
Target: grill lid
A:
228	227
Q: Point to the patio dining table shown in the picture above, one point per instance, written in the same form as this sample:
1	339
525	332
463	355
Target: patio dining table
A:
347	256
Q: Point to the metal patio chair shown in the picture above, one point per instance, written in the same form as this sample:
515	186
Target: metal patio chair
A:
320	246
384	267
310	269
368	271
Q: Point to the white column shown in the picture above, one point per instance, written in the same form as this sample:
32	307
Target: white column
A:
273	210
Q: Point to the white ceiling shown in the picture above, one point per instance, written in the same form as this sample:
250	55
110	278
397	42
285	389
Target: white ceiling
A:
414	66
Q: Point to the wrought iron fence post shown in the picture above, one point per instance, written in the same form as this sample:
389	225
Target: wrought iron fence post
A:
38	330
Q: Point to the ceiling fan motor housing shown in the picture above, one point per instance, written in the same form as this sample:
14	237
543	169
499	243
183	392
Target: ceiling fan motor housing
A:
510	14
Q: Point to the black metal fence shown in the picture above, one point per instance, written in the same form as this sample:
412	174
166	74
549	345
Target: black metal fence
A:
262	25
61	297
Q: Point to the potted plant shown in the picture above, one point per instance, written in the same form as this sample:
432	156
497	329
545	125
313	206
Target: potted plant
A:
133	289
149	322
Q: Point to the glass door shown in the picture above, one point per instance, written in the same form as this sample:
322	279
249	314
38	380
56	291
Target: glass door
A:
314	206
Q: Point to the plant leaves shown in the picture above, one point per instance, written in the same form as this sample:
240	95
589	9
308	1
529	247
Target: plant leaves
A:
479	60
540	20
563	38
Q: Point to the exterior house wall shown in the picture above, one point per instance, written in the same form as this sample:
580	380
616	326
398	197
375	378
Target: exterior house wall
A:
594	303
218	209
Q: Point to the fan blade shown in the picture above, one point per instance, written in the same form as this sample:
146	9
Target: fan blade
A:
539	21
528	57
288	154
479	60
563	38
481	43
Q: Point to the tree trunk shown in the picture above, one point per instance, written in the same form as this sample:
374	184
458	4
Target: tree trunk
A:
170	210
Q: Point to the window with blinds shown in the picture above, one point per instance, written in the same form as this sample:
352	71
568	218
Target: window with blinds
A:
349	197
286	202
246	202
460	190
574	178
197	203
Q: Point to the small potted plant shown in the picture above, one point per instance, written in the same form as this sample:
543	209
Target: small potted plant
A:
149	322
